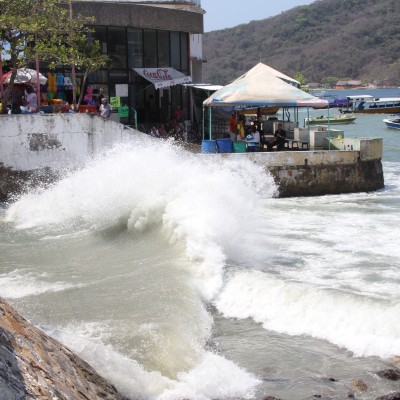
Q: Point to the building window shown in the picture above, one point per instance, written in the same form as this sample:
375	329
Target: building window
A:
100	34
150	48
184	53
135	48
117	47
163	49
175	50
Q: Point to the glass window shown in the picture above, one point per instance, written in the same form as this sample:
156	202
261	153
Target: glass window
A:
117	47
100	76
184	53
135	48
163	49
175	50
150	48
99	33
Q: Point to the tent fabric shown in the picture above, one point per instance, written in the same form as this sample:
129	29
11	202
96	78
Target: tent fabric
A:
204	86
25	75
163	77
281	75
260	87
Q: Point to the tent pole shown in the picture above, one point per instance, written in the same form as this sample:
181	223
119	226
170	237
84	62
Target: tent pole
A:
329	130
210	124
37	81
308	123
1	73
202	125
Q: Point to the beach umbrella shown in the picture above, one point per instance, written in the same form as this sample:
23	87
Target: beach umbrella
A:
25	75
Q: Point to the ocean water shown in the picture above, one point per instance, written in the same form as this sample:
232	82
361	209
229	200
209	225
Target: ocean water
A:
180	277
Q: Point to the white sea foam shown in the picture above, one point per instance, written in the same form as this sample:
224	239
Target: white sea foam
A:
204	202
362	326
18	284
213	377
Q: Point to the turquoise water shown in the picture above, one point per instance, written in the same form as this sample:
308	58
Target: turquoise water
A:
179	277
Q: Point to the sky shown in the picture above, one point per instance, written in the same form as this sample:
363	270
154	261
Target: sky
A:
221	14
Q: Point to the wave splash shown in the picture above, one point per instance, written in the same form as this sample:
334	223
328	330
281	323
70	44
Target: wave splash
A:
198	203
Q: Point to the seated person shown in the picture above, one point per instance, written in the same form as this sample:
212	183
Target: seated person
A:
161	130
31	103
179	114
154	132
279	141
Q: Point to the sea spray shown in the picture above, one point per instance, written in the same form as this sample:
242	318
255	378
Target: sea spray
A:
156	199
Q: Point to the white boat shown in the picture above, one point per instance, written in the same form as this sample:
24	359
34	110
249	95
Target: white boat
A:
334	120
393	121
370	105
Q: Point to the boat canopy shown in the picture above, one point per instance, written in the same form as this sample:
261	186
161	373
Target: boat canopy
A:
385	100
366	97
260	87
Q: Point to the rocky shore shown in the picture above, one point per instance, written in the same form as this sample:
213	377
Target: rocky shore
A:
35	366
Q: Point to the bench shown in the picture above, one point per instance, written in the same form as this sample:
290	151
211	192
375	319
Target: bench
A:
304	145
294	144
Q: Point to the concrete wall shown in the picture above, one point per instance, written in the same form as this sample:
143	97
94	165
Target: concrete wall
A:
34	148
56	141
320	172
369	148
141	16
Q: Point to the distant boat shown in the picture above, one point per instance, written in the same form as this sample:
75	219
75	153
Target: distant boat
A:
334	101
334	120
393	121
369	105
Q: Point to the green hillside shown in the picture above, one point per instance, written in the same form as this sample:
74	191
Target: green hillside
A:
325	41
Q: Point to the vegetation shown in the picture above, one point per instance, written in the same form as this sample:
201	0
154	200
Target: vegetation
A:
44	30
326	41
89	59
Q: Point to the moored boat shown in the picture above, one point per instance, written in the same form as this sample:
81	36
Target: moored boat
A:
393	121
369	105
334	120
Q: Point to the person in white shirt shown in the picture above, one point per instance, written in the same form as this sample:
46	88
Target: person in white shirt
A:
256	135
105	108
31	100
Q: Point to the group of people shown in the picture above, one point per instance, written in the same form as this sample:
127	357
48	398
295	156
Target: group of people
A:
24	100
252	137
102	105
174	128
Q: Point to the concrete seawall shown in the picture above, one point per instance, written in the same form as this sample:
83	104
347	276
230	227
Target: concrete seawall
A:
35	148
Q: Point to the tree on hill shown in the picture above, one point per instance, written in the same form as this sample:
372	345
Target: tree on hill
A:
359	39
42	29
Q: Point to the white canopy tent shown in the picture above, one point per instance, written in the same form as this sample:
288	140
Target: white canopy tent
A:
262	86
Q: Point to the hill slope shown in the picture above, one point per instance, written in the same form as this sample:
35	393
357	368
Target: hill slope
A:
344	39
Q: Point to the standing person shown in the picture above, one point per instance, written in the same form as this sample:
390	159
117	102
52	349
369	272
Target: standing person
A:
240	130
105	108
256	136
100	97
232	126
280	138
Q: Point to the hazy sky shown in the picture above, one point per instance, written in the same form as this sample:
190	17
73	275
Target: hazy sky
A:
222	14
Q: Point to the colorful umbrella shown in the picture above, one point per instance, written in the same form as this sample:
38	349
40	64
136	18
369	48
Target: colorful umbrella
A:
25	75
